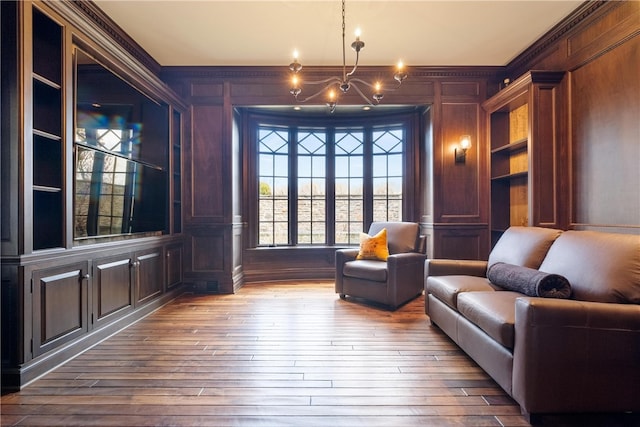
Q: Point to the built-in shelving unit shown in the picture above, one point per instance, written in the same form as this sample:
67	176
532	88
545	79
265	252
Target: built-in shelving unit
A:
176	168
47	133
91	180
522	124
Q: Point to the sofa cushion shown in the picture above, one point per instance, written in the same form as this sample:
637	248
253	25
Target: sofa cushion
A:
601	267
524	246
447	288
366	269
493	312
529	281
401	236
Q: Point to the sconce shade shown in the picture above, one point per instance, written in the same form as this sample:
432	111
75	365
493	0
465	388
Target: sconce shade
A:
461	150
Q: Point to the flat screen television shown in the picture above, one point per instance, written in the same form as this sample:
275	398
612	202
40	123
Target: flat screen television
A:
121	155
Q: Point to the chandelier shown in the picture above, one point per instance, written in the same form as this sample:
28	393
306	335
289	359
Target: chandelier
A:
336	85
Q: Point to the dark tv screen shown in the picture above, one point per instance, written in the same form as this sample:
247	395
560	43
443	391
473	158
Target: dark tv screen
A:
121	155
115	195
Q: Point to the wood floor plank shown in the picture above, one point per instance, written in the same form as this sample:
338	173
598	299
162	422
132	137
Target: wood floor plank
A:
274	354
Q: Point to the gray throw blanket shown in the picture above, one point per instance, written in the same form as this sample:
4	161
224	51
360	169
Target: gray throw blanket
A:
529	281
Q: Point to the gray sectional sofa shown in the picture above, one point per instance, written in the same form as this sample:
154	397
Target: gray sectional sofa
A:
578	354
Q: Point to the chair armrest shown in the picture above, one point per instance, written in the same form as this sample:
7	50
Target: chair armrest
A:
405	258
576	356
343	256
405	281
451	267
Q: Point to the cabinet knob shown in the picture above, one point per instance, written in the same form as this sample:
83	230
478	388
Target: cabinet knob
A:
135	264
86	277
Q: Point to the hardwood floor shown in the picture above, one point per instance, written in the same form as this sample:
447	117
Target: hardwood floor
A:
280	354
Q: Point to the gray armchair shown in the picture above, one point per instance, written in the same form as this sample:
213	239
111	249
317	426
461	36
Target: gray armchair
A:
391	283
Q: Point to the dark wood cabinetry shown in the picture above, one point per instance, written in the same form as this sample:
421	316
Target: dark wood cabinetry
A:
60	297
149	274
524	134
65	287
174	266
113	287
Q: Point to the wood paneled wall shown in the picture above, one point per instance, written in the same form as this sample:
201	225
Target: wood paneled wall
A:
214	217
594	164
599	172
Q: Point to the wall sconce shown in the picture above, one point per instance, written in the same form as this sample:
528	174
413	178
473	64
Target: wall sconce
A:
461	149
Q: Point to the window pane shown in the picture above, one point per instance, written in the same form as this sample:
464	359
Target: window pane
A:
304	166
387	172
281	231
312	173
273	188
342	167
349	184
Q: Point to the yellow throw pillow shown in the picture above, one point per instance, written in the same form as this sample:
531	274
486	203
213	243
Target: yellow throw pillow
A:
374	247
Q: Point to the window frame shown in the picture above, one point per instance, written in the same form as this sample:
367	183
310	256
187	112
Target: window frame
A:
408	118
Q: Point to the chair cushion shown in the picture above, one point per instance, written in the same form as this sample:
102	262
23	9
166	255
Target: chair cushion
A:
447	288
601	267
401	236
524	246
493	312
374	247
366	269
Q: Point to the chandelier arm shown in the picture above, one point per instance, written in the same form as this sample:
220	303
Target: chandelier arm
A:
355	67
357	89
318	93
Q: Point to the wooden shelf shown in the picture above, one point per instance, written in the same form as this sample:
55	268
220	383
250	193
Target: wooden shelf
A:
46	81
513	146
38	132
510	176
45	189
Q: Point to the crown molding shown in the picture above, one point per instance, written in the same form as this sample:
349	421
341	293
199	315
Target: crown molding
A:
101	20
248	72
584	12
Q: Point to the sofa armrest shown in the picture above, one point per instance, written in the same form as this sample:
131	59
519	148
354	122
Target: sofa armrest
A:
574	356
452	267
343	256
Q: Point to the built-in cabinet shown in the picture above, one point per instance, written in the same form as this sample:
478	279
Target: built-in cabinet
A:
524	131
60	296
91	188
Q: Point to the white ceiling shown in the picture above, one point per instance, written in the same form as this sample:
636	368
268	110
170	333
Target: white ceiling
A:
266	32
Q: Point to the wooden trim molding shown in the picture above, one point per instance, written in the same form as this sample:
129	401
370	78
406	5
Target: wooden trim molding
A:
586	10
249	72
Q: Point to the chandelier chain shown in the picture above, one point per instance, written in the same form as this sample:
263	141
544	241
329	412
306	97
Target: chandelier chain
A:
344	55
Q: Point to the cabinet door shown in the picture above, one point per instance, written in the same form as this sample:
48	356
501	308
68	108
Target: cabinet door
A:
112	288
149	269
174	266
60	305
